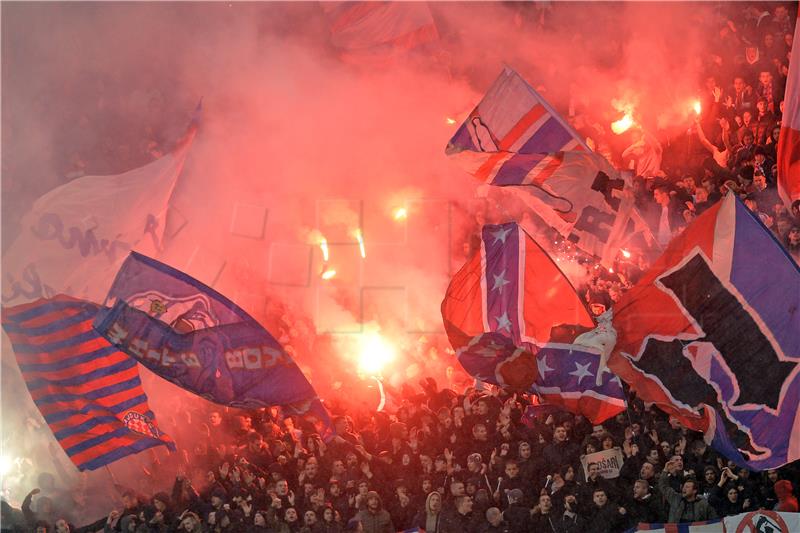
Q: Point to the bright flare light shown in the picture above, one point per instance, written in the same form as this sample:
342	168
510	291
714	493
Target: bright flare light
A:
626	254
400	213
696	106
622	125
451	120
375	353
360	239
323	245
5	464
328	274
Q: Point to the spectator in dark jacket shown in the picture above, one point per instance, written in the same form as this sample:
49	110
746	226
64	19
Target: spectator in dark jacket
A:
374	518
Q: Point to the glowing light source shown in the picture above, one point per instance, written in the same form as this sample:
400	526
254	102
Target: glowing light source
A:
328	274
626	254
323	245
5	464
451	120
610	270
622	125
400	213
360	238
375	353
697	107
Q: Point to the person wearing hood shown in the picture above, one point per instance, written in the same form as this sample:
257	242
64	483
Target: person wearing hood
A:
430	517
787	503
374	518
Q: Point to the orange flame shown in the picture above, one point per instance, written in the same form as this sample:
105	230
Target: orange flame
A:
697	107
400	213
328	274
622	125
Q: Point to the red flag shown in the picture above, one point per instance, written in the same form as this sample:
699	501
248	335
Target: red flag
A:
789	141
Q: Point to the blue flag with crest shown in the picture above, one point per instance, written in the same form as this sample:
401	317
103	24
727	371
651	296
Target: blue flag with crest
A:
189	334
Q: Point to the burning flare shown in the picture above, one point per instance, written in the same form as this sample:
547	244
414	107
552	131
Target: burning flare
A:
375	353
622	125
400	213
360	239
323	245
451	120
697	107
328	274
626	254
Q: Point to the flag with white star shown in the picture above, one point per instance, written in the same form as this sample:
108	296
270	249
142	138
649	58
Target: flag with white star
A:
511	315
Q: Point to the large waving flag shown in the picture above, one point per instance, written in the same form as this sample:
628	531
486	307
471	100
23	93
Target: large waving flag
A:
191	335
515	138
76	236
375	30
511	315
789	140
88	392
711	334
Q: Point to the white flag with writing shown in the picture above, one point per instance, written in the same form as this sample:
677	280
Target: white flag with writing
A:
76	236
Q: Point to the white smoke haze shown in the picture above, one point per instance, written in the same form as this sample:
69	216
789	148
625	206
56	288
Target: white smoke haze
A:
296	145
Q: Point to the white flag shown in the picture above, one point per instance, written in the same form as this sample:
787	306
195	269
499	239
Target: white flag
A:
76	236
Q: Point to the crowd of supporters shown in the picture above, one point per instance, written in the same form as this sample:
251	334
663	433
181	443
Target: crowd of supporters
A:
733	143
444	462
452	461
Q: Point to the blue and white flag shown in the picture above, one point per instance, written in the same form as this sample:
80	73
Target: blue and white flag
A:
189	334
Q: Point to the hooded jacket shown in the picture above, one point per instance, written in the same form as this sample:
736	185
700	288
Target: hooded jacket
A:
375	522
427	519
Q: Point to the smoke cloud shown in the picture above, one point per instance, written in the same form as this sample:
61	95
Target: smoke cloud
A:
297	145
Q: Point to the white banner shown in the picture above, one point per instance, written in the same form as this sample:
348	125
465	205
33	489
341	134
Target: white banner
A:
609	461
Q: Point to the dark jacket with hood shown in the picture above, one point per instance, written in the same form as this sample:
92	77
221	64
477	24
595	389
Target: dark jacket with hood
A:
375	522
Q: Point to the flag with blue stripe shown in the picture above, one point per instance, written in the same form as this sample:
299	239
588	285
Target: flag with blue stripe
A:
88	392
193	336
514	138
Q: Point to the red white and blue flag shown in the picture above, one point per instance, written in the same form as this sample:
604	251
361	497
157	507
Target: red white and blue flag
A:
511	315
706	526
88	392
711	334
789	140
515	138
